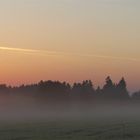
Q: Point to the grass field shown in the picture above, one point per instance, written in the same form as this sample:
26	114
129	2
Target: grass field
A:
112	122
72	130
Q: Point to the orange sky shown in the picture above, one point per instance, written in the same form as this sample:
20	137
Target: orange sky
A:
69	40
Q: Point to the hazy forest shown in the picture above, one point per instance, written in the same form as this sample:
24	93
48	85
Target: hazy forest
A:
63	91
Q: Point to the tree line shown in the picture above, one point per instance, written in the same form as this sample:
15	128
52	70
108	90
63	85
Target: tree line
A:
78	91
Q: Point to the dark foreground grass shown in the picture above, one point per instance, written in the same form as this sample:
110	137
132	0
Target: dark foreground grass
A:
70	130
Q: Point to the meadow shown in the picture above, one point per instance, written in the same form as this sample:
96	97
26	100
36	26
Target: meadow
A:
70	130
24	119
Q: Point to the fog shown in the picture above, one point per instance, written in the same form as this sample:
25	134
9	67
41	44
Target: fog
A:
23	108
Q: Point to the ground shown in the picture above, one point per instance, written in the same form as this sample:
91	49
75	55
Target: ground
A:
70	130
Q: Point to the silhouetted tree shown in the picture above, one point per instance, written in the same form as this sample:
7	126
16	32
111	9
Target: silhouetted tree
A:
83	90
98	90
109	88
121	89
98	93
3	88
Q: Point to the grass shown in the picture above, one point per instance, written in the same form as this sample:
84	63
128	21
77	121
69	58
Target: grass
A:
74	130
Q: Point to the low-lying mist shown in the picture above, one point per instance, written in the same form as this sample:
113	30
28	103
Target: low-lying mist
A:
28	108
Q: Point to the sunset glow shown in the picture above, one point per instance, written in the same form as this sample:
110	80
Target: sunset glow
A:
69	40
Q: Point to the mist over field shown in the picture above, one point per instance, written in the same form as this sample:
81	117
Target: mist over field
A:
60	111
20	108
55	101
54	55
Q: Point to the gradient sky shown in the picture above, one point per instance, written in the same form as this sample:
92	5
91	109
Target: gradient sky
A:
70	40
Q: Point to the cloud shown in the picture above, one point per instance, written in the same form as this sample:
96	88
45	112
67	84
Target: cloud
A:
31	51
53	53
17	49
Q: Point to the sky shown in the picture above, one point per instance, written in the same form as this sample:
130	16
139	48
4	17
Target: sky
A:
70	40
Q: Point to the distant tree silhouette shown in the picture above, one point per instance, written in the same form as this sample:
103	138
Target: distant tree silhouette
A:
98	93
3	88
98	90
84	90
121	89
87	87
77	88
56	90
109	88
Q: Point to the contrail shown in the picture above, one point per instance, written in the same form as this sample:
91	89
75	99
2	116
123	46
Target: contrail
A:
23	50
53	53
31	51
